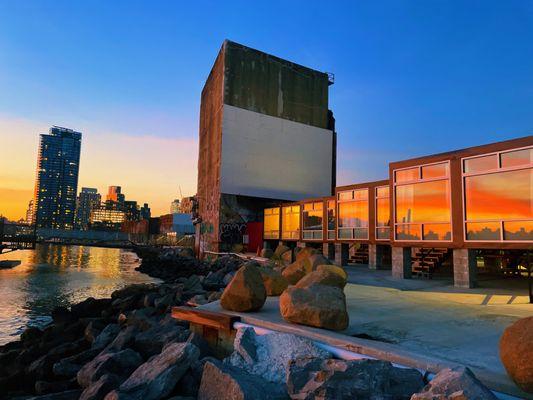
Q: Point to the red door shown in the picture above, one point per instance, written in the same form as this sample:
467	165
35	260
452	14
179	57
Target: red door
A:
254	230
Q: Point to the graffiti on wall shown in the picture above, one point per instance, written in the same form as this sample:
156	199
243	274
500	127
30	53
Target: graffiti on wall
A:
232	232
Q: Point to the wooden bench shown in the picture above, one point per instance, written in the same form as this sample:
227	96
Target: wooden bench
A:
215	327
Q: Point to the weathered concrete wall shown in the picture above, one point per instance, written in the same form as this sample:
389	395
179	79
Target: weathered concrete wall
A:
266	84
209	157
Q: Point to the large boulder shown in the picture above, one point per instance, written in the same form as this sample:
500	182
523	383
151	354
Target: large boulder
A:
454	384
315	260
305	252
323	277
152	341
333	268
320	306
303	266
99	389
266	253
226	382
268	355
246	291
274	282
120	363
156	378
280	250
516	352
296	271
315	378
106	336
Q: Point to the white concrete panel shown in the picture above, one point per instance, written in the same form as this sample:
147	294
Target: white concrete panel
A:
271	157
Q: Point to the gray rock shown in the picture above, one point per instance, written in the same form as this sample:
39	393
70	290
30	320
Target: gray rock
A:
221	381
116	395
66	369
454	384
162	303
193	283
152	341
120	363
99	389
149	299
156	378
315	378
44	387
92	330
68	395
269	355
197	300
106	336
228	277
125	339
143	318
69	367
199	341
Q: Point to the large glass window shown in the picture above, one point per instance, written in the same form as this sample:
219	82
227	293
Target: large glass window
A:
312	217
499	196
352	220
422	203
271	223
331	219
382	213
290	222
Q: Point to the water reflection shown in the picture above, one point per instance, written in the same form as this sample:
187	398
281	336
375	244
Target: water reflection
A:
53	275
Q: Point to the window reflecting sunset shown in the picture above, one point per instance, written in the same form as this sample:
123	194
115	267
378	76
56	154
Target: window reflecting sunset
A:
290	222
353	216
271	223
382	213
312	217
423	208
500	199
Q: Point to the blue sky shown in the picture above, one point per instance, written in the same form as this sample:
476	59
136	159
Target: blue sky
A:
411	77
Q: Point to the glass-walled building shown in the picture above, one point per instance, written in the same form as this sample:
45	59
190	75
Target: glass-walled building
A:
455	209
480	197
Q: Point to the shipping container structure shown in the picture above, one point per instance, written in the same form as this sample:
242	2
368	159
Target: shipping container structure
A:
462	211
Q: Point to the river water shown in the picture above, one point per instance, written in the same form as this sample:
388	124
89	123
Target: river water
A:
57	275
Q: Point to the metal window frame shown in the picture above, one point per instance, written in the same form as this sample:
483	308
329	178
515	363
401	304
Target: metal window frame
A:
376	227
421	180
499	169
352	200
312	231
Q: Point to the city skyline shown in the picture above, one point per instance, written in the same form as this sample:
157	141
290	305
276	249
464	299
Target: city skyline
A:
425	78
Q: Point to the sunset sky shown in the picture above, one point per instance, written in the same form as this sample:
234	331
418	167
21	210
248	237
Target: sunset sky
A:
411	78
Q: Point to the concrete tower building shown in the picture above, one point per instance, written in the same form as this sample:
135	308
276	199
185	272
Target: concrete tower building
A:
57	178
266	135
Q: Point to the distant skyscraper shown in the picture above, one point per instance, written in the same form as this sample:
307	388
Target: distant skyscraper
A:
175	206
145	211
88	199
131	210
56	183
115	194
29	213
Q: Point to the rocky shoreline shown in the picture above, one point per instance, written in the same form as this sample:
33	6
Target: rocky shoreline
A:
93	346
128	347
